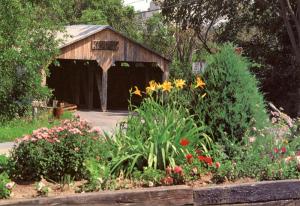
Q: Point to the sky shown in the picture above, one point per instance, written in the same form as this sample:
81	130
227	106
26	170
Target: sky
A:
139	5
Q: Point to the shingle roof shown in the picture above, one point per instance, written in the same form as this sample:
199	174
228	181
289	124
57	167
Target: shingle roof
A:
75	33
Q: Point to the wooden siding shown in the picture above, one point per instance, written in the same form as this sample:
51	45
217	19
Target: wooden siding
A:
128	51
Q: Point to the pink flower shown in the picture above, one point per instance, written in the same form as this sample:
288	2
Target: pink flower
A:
276	150
283	150
252	139
75	131
177	170
218	165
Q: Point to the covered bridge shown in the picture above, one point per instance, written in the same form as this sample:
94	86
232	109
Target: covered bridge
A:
98	65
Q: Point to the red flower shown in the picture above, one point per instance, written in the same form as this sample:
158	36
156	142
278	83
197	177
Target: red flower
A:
218	165
184	142
208	161
198	151
283	150
298	153
276	150
177	170
189	158
201	158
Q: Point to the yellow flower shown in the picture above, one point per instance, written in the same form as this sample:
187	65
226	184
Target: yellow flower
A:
137	91
203	95
167	86
152	87
199	83
179	83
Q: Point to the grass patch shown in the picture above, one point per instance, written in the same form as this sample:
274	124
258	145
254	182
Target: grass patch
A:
14	129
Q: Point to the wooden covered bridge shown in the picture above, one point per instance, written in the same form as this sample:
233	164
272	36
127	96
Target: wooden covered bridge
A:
98	65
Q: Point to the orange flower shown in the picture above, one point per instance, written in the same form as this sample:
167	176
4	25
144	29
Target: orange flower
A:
184	142
167	86
199	83
137	91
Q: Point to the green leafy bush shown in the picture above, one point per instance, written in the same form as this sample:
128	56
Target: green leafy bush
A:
5	185
59	151
233	103
28	47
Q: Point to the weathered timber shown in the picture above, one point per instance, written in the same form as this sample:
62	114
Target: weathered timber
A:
127	50
104	91
175	195
248	193
99	82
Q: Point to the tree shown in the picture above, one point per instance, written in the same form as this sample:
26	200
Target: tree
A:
159	36
200	16
27	44
290	11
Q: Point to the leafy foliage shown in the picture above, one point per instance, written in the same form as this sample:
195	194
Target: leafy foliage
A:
5	185
233	103
56	152
26	46
153	133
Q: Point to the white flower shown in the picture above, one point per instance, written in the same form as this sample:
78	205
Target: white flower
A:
10	185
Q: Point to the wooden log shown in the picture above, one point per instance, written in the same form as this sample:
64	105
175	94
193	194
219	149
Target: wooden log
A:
174	195
248	193
104	91
90	88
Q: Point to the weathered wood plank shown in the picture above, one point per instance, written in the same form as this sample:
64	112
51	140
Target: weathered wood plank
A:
176	195
248	193
128	50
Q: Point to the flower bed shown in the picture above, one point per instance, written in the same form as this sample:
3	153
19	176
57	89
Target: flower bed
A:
179	134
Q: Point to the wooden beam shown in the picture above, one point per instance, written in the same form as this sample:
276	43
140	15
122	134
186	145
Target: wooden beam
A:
90	87
105	64
99	83
104	91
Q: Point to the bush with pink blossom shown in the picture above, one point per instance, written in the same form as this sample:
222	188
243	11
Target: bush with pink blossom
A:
59	151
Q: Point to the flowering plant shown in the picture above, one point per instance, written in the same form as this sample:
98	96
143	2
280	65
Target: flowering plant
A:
55	152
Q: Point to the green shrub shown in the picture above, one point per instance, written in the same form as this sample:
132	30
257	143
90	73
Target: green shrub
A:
233	103
5	185
4	163
59	151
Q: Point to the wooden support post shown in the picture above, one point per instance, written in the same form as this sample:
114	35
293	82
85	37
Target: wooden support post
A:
165	75
99	83
104	91
105	64
90	87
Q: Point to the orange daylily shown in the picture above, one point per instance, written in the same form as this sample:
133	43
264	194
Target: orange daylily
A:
200	83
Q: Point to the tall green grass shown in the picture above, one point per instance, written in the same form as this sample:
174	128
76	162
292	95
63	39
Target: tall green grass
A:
9	131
